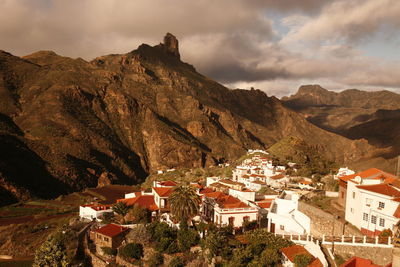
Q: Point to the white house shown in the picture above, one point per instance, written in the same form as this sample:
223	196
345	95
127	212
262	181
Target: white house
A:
94	211
161	195
223	210
284	216
373	205
278	181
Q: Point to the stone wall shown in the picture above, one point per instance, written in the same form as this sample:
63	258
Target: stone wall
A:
381	256
324	223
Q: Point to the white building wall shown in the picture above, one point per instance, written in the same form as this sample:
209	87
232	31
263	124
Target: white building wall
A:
367	202
90	214
243	195
221	216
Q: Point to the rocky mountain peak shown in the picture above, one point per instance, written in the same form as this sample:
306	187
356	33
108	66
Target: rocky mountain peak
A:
171	45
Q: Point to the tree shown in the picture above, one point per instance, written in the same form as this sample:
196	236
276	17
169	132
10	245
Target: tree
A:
302	260
139	214
131	251
51	253
184	203
109	251
187	238
122	209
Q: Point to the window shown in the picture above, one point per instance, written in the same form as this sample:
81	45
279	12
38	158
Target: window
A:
246	218
351	210
365	217
282	227
106	239
381	205
373	219
354	194
382	222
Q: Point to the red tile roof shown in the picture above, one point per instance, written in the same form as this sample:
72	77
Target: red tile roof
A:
277	177
145	201
264	205
372	173
111	230
305	182
168	183
292	251
226	201
359	262
97	207
163	191
384	189
206	190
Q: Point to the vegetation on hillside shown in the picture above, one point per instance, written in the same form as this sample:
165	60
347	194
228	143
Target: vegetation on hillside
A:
308	158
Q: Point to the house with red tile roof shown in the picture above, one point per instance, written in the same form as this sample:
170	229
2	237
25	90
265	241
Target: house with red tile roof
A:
161	195
110	235
370	176
145	201
224	209
94	211
167	183
359	262
372	201
289	254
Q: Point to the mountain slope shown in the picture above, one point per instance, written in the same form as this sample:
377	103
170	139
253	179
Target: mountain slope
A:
130	114
355	114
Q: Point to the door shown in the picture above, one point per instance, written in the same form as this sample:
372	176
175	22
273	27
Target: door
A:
272	230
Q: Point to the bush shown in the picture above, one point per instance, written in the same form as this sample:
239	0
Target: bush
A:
131	251
139	214
302	260
172	248
109	251
386	233
187	238
51	253
156	259
176	262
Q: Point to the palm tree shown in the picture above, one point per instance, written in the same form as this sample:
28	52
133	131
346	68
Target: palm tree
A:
122	209
184	203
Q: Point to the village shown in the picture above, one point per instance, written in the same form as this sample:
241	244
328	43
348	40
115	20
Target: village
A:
220	216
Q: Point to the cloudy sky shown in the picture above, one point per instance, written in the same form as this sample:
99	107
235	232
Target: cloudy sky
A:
272	45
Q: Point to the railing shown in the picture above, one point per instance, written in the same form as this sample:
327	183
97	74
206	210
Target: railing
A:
341	240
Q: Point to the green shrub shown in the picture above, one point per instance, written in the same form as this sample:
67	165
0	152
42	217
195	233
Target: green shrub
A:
131	251
109	251
156	259
302	260
51	253
187	238
172	248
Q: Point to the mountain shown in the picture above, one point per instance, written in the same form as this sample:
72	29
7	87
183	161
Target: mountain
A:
66	122
355	114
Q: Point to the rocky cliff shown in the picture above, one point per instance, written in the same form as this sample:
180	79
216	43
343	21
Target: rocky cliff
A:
66	122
